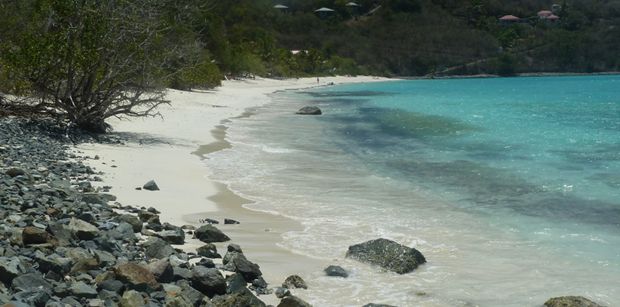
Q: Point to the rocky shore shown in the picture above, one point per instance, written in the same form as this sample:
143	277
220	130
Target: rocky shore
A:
66	243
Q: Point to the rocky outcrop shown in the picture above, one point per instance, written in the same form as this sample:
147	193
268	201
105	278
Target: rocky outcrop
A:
293	282
209	234
209	281
309	110
387	254
336	271
151	186
570	301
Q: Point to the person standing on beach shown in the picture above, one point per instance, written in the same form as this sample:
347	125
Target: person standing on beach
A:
317	80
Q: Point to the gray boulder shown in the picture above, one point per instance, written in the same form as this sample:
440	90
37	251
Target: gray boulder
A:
136	277
336	271
9	269
162	270
208	250
135	223
30	281
156	248
570	301
281	292
209	234
293	282
175	236
209	281
14	172
151	186
293	301
387	254
309	110
82	230
237	262
80	289
132	298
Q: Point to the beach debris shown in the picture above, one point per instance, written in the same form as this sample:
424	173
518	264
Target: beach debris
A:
309	110
210	234
151	186
230	221
294	282
570	301
377	305
336	271
293	301
387	254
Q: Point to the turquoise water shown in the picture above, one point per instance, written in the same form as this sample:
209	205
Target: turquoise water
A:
510	187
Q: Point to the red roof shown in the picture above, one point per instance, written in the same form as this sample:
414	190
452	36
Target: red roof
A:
545	13
553	17
509	18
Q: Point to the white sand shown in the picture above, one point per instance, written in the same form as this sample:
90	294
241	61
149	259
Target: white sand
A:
161	149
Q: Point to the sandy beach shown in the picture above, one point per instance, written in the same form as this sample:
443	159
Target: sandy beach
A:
169	149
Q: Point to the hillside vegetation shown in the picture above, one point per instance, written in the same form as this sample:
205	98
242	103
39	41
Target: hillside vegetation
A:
74	54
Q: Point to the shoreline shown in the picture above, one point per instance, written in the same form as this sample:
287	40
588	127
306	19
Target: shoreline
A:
170	150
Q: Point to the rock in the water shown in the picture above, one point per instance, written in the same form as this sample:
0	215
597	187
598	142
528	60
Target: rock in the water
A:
136	277
293	301
336	271
570	301
151	186
309	110
209	281
208	250
82	230
209	234
34	235
387	254
294	281
230	221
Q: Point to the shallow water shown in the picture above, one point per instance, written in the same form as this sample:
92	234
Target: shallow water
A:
509	187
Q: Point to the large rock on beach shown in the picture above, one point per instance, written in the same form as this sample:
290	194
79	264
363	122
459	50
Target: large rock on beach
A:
309	110
209	234
136	277
293	301
209	281
9	269
156	248
570	301
151	186
208	250
387	254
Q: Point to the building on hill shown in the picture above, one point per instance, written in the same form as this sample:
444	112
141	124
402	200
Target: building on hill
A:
324	12
509	20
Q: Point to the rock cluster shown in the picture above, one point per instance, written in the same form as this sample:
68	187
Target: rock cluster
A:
64	242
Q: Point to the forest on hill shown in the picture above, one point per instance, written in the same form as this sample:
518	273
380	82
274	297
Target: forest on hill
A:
83	61
196	43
